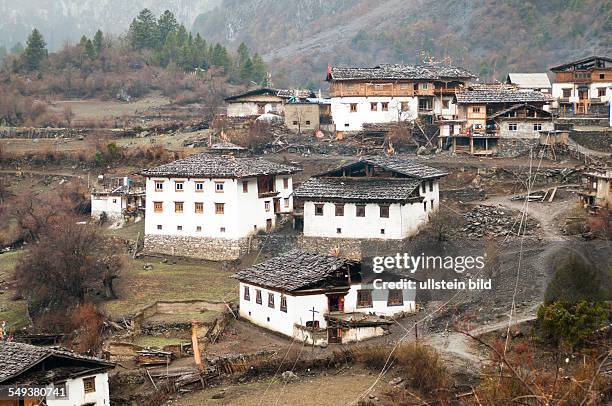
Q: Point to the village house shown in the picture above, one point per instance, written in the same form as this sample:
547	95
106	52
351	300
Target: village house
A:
375	197
263	100
117	198
207	206
83	379
388	93
597	189
319	298
583	86
496	122
537	82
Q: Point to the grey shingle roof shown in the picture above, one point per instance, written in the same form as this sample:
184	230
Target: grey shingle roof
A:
16	358
404	167
293	270
399	72
224	145
358	189
543	113
500	96
215	166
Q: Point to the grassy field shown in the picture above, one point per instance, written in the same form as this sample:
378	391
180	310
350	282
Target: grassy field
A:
138	287
13	312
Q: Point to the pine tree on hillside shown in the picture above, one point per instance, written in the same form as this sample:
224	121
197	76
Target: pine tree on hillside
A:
246	70
219	56
98	41
166	24
90	50
260	70
143	32
243	54
36	50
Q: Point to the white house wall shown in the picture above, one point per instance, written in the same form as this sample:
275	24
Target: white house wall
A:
345	120
111	205
557	90
77	395
245	109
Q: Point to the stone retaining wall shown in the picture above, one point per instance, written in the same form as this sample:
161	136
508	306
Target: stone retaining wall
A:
513	147
212	249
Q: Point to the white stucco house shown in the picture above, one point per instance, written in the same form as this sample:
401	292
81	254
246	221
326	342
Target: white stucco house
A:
376	197
527	82
389	93
80	379
263	100
116	201
207	206
319	298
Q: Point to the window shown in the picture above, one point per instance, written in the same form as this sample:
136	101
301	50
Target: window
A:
373	106
537	127
286	202
602	76
431	185
310	324
404	106
158	207
425	205
247	294
114	200
445	103
431	204
178	186
198	229
567	93
267	206
384	211
219	208
364	298
601	92
258	296
199	187
424	86
285	183
159	226
245	186
353	107
179	228
339	209
395	298
384	106
178	207
318	209
222	230
307	122
283	306
219	187
382	231
475	109
199	207
159	185
89	384
271	300
378	86
360	210
513	126
338	231
423	187
346	124
295	123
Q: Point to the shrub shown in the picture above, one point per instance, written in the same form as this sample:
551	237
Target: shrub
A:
576	280
564	323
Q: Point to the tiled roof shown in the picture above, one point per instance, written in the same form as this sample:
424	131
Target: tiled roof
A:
16	358
543	113
224	145
360	189
215	166
500	96
293	270
282	93
401	166
399	72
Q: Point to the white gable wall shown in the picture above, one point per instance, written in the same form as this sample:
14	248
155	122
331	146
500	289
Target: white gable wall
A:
77	395
111	205
345	120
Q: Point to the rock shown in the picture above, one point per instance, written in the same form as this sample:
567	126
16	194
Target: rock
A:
422	151
289	376
147	266
218	395
396	381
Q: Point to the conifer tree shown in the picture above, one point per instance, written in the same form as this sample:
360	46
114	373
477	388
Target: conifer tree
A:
166	24
35	51
143	32
98	41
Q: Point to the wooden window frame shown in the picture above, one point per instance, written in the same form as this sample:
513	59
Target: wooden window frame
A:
201	184
219	189
322	209
475	109
339	209
364	302
271	300
395	297
285	183
537	126
358	210
179	207
159	183
156	205
267	205
384	106
373	106
384	211
404	106
283	303
601	92
89	384
258	296
286	202
198	207
245	186
353	107
566	93
219	208
431	185
512	126
176	186
247	293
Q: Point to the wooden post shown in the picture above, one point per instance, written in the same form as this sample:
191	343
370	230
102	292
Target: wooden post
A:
416	332
313	327
194	344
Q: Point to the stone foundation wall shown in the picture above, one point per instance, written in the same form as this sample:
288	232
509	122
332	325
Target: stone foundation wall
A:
513	147
212	249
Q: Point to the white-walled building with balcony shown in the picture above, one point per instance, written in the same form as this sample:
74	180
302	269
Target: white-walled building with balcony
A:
376	197
206	206
320	298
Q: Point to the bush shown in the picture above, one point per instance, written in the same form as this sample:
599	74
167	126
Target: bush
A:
577	280
570	324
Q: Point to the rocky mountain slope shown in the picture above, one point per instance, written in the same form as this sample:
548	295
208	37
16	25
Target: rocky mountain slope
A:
66	20
490	37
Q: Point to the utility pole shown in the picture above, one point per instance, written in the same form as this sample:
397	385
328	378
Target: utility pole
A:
313	327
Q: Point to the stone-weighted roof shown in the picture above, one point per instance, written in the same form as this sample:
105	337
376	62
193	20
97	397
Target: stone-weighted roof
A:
500	96
405	167
16	358
399	72
214	166
359	189
293	270
224	145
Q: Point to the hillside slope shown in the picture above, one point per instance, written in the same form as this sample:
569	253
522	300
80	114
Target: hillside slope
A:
487	36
